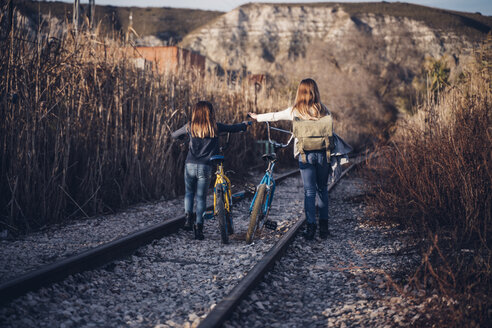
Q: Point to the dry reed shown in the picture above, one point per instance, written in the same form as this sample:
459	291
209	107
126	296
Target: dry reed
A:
436	178
84	131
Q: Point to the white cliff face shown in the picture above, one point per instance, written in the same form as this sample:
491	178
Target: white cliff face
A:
364	64
263	36
270	38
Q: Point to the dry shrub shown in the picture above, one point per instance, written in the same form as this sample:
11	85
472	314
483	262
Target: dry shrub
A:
83	131
436	178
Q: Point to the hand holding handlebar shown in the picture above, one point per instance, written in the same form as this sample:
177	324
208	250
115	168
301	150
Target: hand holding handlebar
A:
273	142
278	144
254	116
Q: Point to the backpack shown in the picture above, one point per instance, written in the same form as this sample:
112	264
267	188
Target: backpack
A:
313	135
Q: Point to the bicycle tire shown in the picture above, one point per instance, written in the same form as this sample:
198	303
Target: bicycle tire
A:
221	217
255	213
230	225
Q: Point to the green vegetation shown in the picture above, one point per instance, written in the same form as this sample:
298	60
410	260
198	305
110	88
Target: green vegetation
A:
432	79
175	23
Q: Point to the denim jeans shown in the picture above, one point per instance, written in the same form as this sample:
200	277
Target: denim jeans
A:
315	174
197	181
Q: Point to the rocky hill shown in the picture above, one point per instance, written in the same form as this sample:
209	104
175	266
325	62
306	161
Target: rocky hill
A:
364	56
368	58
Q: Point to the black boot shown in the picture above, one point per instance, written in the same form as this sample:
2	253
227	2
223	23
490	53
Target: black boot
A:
189	221
310	231
323	229
199	231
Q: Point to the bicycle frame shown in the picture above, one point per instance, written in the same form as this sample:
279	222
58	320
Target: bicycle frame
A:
222	181
268	179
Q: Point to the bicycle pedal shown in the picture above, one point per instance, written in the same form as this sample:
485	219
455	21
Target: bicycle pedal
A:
208	215
272	225
238	196
250	188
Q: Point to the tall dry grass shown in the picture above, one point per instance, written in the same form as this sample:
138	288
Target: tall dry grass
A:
83	131
436	178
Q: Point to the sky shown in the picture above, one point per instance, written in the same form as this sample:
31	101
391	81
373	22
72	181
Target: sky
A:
482	6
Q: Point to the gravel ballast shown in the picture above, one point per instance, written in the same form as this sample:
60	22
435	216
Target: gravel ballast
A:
175	281
54	243
343	281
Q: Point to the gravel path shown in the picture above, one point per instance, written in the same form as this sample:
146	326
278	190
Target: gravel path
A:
57	242
174	281
338	282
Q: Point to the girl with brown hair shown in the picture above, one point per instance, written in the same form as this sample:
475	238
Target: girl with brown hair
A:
314	164
203	131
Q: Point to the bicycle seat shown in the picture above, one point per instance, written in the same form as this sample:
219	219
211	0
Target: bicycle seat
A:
218	158
270	157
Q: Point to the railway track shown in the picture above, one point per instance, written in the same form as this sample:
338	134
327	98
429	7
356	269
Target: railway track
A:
226	307
76	267
97	256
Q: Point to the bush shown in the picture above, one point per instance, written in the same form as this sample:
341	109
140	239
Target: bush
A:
83	131
435	177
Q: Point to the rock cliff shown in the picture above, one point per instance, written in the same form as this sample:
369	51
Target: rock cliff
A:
363	57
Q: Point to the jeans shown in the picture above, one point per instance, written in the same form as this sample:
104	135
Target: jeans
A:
197	181
315	174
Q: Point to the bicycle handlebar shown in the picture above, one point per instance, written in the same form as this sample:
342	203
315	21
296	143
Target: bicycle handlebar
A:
226	145
277	144
228	134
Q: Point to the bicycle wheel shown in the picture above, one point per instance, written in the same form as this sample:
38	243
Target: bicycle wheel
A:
230	226
256	213
221	216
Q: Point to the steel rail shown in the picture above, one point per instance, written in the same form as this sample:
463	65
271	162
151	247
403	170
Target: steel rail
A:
223	310
98	256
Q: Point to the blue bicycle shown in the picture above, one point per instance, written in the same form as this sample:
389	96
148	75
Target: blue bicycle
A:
262	200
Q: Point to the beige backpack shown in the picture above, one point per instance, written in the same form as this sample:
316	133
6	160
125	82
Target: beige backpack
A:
314	135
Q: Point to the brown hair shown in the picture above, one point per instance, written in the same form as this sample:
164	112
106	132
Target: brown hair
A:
308	104
203	123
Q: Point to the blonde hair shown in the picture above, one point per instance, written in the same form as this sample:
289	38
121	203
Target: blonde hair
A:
203	123
308	103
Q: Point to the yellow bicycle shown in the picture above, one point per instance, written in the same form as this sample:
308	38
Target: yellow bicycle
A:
222	198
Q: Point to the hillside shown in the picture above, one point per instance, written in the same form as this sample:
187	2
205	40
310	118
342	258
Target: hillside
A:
367	57
163	23
364	56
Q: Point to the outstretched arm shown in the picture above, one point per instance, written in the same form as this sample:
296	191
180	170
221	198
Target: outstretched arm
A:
232	127
282	115
180	132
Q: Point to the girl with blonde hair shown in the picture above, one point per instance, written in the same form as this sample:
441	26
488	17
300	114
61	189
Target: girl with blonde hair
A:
314	164
203	131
